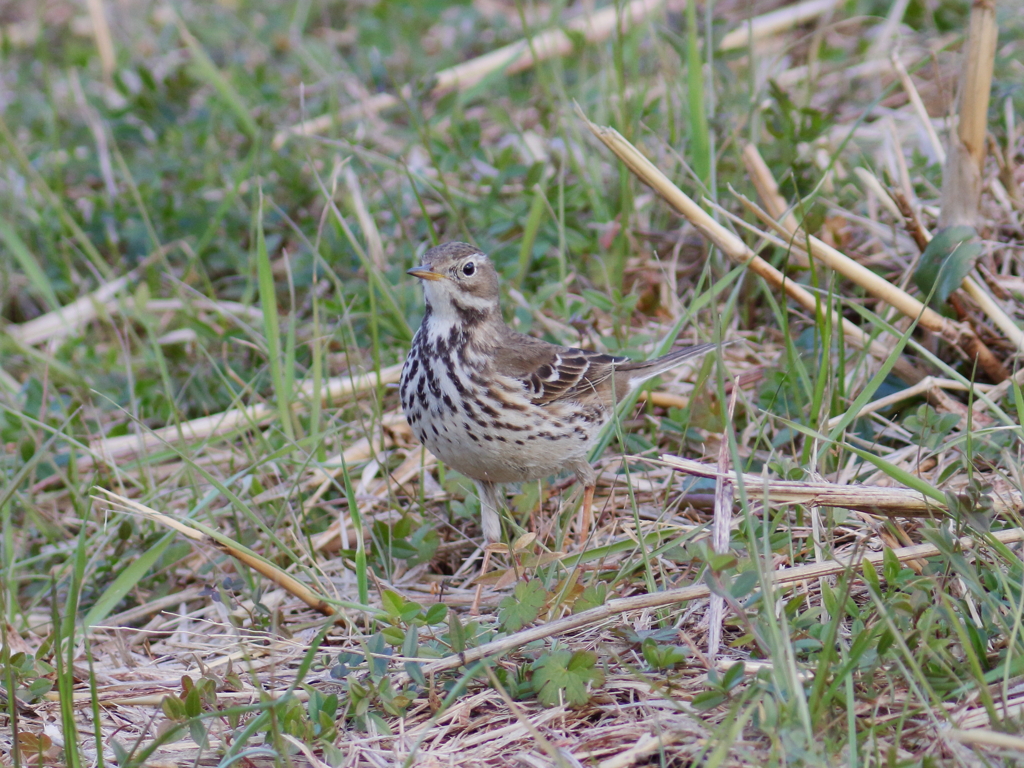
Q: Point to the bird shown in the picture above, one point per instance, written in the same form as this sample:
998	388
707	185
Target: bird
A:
497	405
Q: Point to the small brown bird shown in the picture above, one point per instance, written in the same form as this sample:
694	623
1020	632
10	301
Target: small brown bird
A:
499	406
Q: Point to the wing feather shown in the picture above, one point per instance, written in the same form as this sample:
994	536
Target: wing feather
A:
549	372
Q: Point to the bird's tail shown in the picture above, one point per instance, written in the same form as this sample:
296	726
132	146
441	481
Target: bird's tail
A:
641	371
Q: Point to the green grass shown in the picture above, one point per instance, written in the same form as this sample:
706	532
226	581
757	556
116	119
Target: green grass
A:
278	285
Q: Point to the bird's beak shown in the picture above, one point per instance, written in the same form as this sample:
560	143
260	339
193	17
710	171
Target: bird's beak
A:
424	273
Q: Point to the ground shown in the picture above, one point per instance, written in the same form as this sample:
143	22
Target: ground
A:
219	540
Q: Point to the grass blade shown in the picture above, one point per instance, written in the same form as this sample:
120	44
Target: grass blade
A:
207	71
272	327
32	269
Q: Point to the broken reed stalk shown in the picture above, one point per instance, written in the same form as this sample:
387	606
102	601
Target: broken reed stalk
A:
59	323
905	211
733	247
112	448
973	136
614	608
200	533
961	178
104	303
767	187
959	335
875	500
721	527
775	22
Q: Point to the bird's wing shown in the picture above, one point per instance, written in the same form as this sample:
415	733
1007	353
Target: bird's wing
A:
549	372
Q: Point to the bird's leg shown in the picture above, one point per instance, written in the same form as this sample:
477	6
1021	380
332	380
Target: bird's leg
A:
588	479
490	521
586	515
490	518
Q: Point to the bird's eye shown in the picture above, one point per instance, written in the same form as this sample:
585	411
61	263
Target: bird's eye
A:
468	269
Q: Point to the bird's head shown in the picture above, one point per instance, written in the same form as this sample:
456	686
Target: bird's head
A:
459	282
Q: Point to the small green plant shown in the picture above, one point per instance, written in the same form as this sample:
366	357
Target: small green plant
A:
721	687
592	596
196	697
32	677
523	605
403	540
619	306
974	504
372	699
316	722
947	260
929	427
794	129
564	677
406	618
663	656
516	680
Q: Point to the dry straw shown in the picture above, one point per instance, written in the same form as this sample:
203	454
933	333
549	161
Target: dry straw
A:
529	51
197	430
834	496
774	22
246	556
619	606
732	246
959	335
961	179
511	58
875	500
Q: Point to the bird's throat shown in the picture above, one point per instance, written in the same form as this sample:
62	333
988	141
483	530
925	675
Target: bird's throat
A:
459	314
